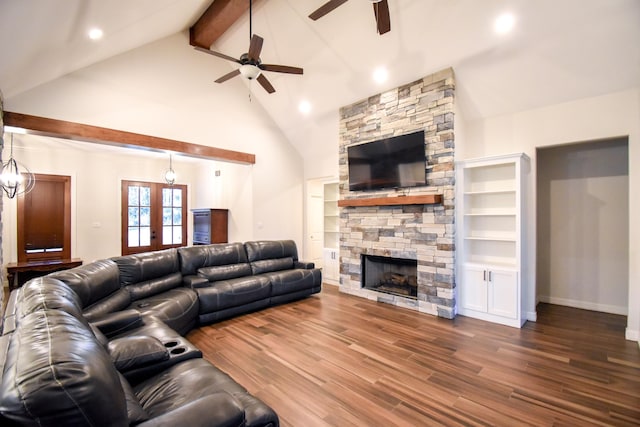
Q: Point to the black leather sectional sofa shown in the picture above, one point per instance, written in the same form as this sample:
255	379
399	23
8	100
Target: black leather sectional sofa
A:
103	344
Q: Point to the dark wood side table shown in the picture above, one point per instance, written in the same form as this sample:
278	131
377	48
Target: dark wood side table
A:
18	273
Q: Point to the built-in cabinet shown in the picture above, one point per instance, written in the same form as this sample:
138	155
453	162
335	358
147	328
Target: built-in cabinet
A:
210	226
331	218
491	238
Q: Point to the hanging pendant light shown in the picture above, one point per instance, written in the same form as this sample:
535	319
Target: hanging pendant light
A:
170	175
15	178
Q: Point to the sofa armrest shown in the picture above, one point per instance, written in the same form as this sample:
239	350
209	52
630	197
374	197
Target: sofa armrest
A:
218	409
117	322
195	282
304	265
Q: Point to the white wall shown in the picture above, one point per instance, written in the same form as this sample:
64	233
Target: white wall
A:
583	226
96	174
595	118
166	89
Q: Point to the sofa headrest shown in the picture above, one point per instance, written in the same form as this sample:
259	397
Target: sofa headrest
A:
92	281
193	258
271	249
146	266
57	373
46	293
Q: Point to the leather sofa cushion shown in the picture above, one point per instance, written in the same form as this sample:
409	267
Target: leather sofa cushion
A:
225	272
154	286
194	258
177	307
92	282
214	410
117	301
146	266
271	249
57	373
232	293
136	351
267	265
290	281
135	413
117	322
193	380
47	293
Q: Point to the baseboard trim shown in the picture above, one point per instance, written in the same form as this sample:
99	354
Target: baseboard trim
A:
585	305
632	335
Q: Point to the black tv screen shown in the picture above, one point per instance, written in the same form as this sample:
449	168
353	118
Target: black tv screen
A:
394	162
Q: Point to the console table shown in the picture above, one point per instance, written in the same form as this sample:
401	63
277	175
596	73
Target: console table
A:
18	273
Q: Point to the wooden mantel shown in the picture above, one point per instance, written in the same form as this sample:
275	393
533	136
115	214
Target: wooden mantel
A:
426	199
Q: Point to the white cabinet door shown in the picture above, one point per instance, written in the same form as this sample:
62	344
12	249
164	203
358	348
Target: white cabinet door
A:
474	292
503	293
330	267
315	222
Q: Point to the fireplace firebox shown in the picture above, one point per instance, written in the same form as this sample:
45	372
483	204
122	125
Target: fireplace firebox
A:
398	276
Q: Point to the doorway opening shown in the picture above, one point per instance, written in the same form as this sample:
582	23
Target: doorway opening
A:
583	225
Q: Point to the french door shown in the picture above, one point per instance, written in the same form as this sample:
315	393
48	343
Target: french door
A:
153	216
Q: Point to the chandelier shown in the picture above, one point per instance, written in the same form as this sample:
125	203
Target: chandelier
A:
170	175
15	178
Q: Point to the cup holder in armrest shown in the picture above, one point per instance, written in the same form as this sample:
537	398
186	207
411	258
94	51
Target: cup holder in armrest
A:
177	350
170	344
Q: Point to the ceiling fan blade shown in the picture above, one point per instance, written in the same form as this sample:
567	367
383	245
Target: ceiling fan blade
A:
265	83
255	47
218	54
228	76
383	21
281	68
326	8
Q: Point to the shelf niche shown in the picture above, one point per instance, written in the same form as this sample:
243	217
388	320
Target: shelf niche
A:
426	199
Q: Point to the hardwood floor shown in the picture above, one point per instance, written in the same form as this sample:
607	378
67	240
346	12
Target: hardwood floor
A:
337	360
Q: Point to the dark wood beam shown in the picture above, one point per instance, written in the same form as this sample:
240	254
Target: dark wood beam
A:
94	134
216	20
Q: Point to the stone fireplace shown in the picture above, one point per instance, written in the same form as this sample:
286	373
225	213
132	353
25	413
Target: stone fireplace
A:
396	276
420	233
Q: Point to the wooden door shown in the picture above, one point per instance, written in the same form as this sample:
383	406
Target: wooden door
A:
154	216
44	220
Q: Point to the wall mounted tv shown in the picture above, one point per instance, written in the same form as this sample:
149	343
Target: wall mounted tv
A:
395	162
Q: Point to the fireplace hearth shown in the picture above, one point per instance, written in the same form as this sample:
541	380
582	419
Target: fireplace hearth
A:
390	275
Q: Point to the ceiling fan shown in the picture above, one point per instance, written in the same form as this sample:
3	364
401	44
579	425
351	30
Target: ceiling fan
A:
251	66
380	10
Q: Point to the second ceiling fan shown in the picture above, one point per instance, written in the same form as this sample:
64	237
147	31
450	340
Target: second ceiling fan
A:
380	10
251	65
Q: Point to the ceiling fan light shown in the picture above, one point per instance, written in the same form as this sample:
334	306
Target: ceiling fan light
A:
249	71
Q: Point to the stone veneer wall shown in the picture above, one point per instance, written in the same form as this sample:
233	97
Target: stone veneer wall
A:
422	232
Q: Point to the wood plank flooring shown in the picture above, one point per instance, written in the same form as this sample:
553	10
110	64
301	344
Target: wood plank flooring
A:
337	360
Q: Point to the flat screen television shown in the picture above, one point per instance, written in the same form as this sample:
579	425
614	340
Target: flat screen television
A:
395	162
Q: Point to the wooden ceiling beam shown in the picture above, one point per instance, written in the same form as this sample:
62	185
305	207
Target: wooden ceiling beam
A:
217	19
94	134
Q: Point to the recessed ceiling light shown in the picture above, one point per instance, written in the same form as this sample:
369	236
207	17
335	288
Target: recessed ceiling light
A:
380	75
95	34
304	107
504	23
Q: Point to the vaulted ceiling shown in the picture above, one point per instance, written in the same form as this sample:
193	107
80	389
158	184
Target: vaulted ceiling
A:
559	50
